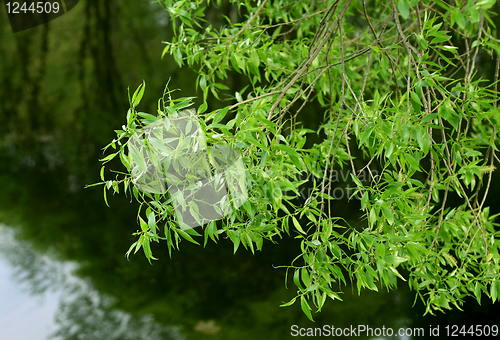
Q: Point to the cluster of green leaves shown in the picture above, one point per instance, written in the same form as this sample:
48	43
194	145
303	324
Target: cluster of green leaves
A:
401	93
257	219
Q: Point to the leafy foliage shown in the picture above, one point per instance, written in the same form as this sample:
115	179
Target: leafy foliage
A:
402	94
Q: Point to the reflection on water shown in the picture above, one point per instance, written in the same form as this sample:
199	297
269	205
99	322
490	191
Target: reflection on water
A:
41	299
23	317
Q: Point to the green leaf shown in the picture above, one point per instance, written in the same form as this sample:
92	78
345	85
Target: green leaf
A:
289	303
366	134
203	83
387	213
255	59
312	287
423	139
235	238
296	279
393	259
485	4
281	138
412	161
137	96
105	197
152	222
494	290
183	104
165	50
234	62
221	113
186	236
221	86
144	225
430	117
442	37
458	17
148	116
415	98
477	292
426	144
396	272
304	275
297	225
203	107
404	8
292	153
305	307
108	158
135	244
178	56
